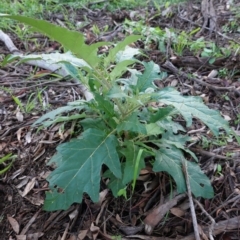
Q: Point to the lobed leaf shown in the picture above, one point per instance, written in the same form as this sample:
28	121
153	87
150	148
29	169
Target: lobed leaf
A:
193	106
72	40
199	182
169	159
79	164
146	80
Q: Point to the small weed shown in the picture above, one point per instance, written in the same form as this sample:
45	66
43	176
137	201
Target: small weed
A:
119	122
218	171
237	121
6	162
180	42
223	72
197	46
119	129
33	100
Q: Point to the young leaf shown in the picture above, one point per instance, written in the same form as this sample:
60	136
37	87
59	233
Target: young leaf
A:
120	68
72	40
53	114
120	46
132	124
153	129
130	151
106	106
193	106
170	125
162	113
78	169
127	54
5	159
116	92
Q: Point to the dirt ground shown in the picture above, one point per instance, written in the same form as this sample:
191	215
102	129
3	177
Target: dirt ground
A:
22	188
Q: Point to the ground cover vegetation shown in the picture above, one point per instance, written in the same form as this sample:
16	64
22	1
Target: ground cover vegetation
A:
153	108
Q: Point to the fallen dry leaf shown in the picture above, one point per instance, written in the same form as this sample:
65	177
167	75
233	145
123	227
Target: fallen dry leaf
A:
14	224
19	116
29	187
34	236
94	230
177	212
155	216
82	234
21	237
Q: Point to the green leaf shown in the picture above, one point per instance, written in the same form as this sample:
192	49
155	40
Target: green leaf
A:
199	182
105	105
79	164
168	138
53	114
161	114
150	74
93	123
170	125
72	40
64	119
132	124
120	68
53	58
116	92
6	158
130	151
115	184
193	106
119	47
169	159
127	54
106	109
154	129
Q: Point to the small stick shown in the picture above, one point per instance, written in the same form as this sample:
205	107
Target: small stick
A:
189	192
210	233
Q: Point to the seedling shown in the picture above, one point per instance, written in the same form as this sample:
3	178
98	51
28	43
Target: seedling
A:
120	129
6	162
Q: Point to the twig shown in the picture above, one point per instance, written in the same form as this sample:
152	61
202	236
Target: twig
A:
213	30
194	218
210	233
176	71
210	154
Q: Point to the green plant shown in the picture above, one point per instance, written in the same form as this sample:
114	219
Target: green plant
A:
223	72
180	42
6	162
120	127
218	170
197	46
33	99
